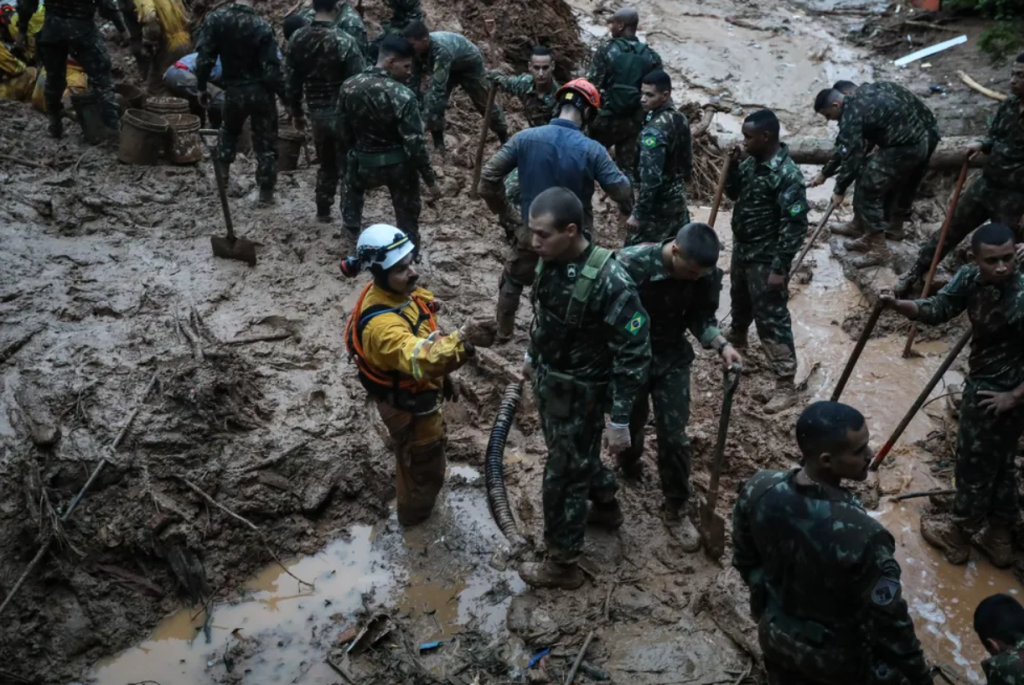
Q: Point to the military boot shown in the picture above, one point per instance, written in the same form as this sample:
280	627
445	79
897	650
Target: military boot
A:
895	231
850	229
551	574
875	249
56	127
606	515
737	337
508	304
323	212
784	397
948	537
997	544
266	197
908	281
680	525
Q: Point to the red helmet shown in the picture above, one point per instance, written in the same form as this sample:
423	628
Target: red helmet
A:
581	87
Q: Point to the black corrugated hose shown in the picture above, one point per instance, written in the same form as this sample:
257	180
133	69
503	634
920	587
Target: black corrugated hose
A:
494	466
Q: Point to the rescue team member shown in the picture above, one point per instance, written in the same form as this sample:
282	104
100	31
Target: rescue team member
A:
824	584
998	194
17	79
165	38
180	81
558	154
69	31
451	60
999	623
589	350
252	77
348	20
991	291
769	224
679	283
617	69
405	363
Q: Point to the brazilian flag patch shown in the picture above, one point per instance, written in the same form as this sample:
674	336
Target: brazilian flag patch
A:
796	209
636	323
649	141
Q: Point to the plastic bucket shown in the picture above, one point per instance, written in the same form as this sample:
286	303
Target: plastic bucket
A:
88	108
143	136
184	146
289	145
167	105
133	97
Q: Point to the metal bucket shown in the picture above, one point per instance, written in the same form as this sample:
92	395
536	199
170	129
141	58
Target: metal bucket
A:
143	136
88	108
184	146
289	145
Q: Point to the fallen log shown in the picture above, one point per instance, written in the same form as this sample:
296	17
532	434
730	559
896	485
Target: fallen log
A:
949	155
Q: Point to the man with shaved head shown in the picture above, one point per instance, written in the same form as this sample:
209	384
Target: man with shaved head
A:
618	69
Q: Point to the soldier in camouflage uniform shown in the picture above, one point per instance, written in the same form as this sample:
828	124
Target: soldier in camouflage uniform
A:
998	194
999	623
678	283
349	21
617	69
769	224
824	583
320	58
904	134
991	291
452	60
251	76
69	30
666	164
380	126
589	351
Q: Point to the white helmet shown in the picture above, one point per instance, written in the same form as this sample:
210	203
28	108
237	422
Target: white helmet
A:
383	245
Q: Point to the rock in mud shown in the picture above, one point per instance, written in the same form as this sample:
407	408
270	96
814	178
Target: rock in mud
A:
530	621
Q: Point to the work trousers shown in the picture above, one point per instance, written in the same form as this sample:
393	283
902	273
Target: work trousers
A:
418	443
753	301
258	105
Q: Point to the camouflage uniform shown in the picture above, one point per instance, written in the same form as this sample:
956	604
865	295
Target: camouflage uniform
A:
453	60
986	478
674	306
666	164
998	194
1007	667
904	132
320	58
824	586
769	224
587	356
251	77
349	21
69	30
619	124
380	125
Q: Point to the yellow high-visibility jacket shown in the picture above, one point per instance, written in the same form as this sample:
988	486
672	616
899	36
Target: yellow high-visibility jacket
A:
164	22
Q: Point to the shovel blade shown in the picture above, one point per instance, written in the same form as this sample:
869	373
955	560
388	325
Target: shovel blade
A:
238	249
712	533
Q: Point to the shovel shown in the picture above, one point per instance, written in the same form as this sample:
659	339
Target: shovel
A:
230	246
712	526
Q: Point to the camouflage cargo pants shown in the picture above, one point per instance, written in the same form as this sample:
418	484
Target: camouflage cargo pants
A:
659	229
668	387
986	477
476	85
256	103
752	301
890	176
78	38
572	418
401	180
332	156
979	202
418	443
622	133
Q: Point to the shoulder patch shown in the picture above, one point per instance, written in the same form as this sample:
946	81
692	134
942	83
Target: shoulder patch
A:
796	208
649	141
636	323
885	591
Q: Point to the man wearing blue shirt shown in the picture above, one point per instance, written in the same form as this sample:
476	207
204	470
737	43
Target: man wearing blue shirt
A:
180	81
558	154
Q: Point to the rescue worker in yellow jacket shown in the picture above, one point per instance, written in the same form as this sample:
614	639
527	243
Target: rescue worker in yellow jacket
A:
405	362
165	39
17	76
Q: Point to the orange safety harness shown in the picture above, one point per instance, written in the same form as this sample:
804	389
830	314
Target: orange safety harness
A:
393	387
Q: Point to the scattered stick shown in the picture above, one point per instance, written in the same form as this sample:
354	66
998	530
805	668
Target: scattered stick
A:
743	676
974	85
923	493
337	669
608	603
246	522
269	337
579	658
929	25
270	461
24	162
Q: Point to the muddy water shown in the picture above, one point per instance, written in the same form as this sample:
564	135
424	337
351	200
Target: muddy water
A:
435	586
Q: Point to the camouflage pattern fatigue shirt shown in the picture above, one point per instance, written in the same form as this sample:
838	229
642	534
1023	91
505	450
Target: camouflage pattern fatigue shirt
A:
1007	667
1005	146
449	54
245	43
348	20
666	164
320	58
538	107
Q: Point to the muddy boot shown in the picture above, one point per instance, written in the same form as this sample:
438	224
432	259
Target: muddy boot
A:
323	213
850	229
551	574
737	338
785	396
266	197
607	515
875	249
954	543
508	304
56	127
997	544
681	527
907	281
895	231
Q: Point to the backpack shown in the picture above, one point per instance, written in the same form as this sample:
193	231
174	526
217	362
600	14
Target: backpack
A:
628	70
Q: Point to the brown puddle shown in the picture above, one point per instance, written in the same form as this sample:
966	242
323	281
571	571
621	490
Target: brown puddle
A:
435	577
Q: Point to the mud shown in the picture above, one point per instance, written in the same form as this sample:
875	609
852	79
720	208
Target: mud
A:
107	278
